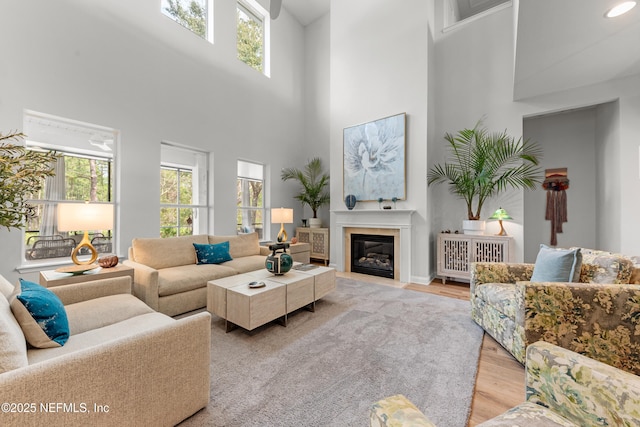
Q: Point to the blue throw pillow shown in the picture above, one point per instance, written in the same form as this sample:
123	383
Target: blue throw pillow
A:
557	265
212	254
41	315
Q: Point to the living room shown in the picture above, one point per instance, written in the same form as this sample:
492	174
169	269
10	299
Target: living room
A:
128	67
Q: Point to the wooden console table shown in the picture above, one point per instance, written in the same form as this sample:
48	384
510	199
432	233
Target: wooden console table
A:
318	239
50	278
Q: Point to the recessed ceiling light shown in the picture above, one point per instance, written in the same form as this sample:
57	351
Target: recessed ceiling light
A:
619	9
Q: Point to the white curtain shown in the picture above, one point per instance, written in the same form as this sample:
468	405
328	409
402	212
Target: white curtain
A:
54	190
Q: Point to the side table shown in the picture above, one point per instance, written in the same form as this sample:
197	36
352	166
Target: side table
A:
51	278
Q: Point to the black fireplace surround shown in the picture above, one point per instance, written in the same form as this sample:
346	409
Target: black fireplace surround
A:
372	254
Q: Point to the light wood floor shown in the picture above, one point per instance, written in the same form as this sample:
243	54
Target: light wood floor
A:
500	379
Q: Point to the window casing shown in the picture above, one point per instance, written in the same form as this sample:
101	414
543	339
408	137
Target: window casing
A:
84	172
183	191
252	37
250	198
195	15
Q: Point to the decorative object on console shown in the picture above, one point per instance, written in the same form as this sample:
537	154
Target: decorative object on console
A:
500	215
350	201
84	217
279	263
556	183
483	164
108	261
282	216
374	159
314	183
294	240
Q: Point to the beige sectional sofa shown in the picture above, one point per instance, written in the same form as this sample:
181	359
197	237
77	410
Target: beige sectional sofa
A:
123	363
168	278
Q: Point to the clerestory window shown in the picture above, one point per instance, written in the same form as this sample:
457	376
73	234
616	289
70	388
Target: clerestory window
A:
253	35
195	15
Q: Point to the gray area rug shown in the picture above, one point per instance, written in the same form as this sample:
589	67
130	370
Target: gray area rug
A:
364	342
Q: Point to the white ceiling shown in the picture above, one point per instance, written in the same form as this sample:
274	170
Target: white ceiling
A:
306	11
567	44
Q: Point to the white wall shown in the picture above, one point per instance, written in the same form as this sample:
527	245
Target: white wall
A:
608	194
474	74
317	89
379	68
567	140
125	65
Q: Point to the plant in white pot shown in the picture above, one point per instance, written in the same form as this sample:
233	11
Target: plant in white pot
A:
482	164
314	183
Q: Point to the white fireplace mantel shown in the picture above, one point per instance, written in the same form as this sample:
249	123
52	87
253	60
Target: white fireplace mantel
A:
396	219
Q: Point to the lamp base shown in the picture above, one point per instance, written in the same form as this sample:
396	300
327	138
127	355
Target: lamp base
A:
85	242
502	232
282	234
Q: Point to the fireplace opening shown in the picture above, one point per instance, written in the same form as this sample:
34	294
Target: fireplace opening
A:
372	254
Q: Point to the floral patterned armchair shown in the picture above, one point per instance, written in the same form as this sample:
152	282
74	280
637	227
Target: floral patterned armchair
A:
563	388
598	317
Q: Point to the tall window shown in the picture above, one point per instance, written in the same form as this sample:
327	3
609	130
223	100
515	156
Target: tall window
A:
195	15
250	200
84	172
252	35
183	191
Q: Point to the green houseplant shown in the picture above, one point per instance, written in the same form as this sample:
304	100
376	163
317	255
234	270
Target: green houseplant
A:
481	164
314	183
22	174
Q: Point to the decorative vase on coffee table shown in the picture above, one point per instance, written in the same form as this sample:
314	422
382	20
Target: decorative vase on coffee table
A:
278	262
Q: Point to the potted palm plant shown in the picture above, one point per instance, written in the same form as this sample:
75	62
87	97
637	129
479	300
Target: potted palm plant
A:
314	183
482	164
22	173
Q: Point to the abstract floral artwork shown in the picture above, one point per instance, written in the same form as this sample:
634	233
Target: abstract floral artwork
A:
374	159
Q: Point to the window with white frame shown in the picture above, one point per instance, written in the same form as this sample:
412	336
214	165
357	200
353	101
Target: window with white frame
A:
195	15
250	198
252	37
83	172
183	191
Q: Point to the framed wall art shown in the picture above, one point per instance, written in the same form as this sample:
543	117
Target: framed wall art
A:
374	159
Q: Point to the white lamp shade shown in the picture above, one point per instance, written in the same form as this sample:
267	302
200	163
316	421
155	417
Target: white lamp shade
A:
85	216
281	216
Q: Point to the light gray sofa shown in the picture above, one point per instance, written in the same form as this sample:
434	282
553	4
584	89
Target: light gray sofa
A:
168	278
123	364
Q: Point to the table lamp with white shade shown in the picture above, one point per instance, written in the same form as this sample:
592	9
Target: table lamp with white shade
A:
85	217
282	216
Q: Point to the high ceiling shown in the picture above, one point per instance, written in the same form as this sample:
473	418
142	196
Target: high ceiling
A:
306	11
559	44
567	44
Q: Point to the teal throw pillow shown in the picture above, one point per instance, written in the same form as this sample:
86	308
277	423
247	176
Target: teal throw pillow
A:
557	265
212	254
41	315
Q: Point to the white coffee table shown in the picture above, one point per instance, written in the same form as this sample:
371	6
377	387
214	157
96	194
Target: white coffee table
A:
232	299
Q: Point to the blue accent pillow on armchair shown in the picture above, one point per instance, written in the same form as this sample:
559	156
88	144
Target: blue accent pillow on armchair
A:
212	254
557	265
41	315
